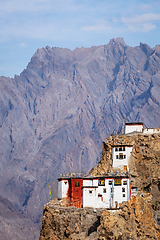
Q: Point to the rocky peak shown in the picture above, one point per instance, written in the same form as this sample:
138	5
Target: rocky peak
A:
146	49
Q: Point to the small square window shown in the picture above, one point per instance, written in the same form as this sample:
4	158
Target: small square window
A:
116	156
76	184
65	183
116	149
90	191
120	148
125	182
104	190
124	195
99	195
110	182
124	156
117	182
123	148
101	182
123	189
121	156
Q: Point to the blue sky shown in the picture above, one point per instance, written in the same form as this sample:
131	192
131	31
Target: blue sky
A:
27	25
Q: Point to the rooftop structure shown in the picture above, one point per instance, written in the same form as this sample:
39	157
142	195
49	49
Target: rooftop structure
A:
133	127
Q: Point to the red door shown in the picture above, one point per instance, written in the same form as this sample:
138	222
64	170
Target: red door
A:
76	192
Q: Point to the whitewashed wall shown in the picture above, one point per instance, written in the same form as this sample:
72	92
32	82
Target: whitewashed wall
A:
120	163
132	128
151	130
96	197
63	186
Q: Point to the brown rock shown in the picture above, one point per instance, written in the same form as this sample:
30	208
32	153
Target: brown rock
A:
134	221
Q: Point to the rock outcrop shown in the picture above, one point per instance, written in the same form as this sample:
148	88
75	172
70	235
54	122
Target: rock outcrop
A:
134	220
144	163
59	222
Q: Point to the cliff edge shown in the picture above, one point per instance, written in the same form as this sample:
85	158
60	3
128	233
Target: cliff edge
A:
135	218
144	163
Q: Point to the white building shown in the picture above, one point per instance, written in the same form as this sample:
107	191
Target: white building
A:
133	127
151	130
106	191
120	156
63	186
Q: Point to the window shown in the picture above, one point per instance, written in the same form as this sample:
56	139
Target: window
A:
65	183
76	184
116	149
125	182
116	156
104	190
110	182
124	156
123	189
117	182
101	182
121	156
124	195
111	190
90	191
120	148
125	168
123	148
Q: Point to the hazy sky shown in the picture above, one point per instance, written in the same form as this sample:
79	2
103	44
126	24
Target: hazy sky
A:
27	25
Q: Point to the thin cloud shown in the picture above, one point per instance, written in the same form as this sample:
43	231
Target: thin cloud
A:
142	22
145	27
99	26
147	17
23	45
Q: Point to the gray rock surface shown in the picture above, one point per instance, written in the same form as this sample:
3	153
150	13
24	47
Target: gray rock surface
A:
13	225
55	115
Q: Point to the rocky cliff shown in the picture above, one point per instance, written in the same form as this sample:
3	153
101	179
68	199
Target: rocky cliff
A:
144	163
56	114
135	218
133	221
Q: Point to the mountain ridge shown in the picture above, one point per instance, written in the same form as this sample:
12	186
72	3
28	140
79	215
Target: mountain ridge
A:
56	114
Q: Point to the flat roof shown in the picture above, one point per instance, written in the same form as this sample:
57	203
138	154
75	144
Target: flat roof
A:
122	145
134	123
97	177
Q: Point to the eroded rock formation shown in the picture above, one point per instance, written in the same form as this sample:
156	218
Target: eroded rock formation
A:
134	220
144	163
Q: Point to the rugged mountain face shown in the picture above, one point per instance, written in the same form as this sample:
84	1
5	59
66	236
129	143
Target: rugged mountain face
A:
13	225
55	115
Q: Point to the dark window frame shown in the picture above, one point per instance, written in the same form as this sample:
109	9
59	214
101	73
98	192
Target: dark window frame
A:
101	182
